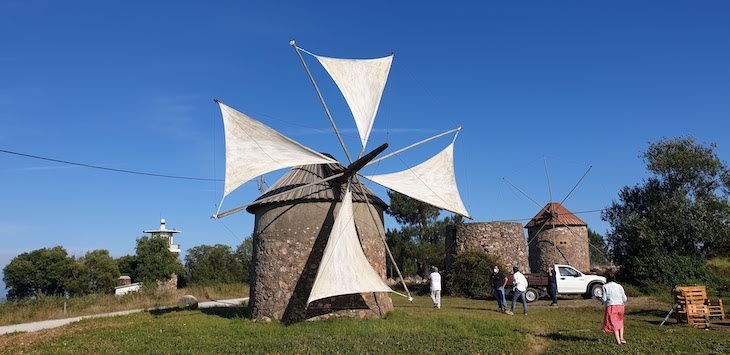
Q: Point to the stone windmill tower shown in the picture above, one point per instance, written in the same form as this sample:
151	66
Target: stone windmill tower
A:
557	236
315	253
290	233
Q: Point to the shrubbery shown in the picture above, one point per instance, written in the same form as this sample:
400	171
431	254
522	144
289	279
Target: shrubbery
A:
470	274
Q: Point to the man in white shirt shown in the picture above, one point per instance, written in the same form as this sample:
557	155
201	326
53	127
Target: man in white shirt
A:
435	279
520	282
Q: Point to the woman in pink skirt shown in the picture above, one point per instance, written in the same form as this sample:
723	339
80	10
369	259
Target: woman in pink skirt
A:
613	299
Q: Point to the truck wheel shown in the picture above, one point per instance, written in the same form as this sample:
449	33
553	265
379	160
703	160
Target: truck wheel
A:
531	295
595	291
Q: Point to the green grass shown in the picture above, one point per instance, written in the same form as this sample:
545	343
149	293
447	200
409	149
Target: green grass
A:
52	307
461	326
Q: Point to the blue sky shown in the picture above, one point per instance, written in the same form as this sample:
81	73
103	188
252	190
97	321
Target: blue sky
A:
130	85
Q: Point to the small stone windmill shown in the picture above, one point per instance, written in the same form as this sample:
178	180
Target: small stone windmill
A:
556	235
314	239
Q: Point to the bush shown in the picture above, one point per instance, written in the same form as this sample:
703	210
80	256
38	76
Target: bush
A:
470	274
720	275
666	269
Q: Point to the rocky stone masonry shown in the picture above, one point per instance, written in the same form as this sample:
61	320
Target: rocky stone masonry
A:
560	245
288	244
504	240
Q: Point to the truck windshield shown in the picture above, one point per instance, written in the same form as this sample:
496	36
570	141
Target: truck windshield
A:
567	271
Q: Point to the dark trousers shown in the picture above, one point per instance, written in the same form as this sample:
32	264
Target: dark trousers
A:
553	292
499	295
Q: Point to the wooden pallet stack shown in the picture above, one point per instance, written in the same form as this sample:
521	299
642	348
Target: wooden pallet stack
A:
695	308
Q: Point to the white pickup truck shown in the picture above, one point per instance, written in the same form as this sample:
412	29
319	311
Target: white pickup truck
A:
570	281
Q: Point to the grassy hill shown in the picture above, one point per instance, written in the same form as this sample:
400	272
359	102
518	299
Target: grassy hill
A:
461	326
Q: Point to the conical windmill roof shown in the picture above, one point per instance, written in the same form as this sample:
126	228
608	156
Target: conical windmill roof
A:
555	214
330	191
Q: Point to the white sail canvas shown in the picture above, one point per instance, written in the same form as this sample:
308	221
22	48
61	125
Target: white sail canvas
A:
432	181
361	82
344	269
253	149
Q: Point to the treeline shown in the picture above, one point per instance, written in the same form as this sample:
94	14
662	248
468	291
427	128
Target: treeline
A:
52	272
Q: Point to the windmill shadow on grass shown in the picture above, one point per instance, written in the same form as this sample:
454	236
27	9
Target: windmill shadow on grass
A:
557	336
239	312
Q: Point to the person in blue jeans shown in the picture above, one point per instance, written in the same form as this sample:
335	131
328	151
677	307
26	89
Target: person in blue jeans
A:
520	282
498	284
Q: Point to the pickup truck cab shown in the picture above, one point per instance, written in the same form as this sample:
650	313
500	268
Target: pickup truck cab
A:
570	281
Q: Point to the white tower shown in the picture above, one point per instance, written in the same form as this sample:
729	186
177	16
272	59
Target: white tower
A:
163	232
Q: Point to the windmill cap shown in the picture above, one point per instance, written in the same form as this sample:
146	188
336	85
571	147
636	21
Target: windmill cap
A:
555	214
329	191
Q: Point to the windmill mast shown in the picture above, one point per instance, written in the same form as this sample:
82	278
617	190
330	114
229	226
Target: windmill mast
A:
262	185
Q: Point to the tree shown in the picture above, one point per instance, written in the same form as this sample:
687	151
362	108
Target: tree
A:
208	265
420	242
598	249
102	271
244	255
128	266
35	273
413	213
155	262
664	228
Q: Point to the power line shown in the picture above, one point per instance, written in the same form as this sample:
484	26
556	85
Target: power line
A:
106	168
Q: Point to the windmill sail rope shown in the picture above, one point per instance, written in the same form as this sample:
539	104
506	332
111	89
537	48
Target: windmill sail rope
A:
320	56
308	52
536	234
530	218
389	155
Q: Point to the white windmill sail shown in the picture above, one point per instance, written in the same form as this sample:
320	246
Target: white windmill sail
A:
432	181
361	82
344	269
253	149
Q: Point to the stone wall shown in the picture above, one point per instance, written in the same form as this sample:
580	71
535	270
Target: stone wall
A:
560	245
504	240
288	244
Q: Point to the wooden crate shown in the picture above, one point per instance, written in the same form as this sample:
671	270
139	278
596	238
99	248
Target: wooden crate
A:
695	307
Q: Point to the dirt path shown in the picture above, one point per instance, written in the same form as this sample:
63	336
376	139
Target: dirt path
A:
54	323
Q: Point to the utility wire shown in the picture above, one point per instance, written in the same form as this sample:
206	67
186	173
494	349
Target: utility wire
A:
106	168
